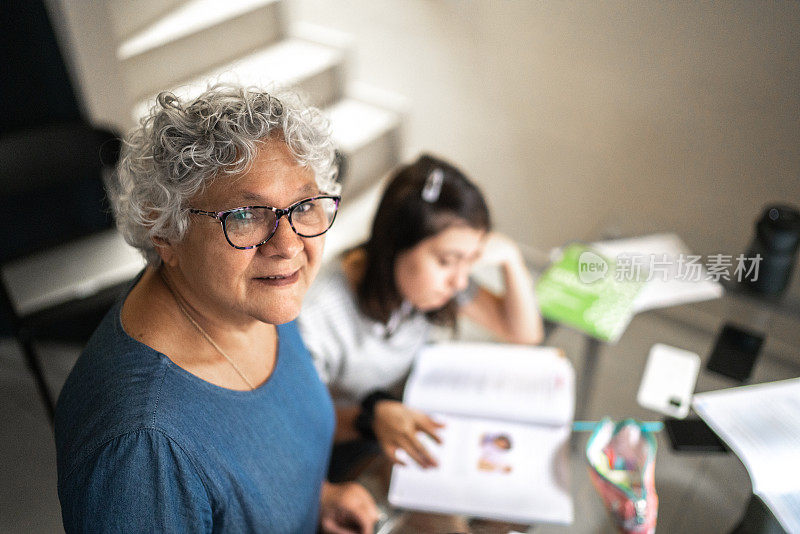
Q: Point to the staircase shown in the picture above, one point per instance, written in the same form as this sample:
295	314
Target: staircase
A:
182	45
249	42
193	42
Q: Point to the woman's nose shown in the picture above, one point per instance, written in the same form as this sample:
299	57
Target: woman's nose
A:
284	242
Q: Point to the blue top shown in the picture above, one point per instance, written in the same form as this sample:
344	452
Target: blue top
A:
145	446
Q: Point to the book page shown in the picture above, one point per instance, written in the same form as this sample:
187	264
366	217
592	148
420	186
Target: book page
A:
492	469
761	424
495	381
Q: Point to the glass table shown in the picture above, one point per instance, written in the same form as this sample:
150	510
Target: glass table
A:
698	492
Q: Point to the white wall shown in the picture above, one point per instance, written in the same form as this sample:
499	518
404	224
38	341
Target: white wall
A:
577	118
584	117
85	33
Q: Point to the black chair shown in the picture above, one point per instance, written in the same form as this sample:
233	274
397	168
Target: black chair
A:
52	166
52	194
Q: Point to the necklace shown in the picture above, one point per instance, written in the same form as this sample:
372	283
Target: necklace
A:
182	307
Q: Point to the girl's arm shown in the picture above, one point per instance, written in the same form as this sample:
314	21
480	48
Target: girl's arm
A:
514	316
346	423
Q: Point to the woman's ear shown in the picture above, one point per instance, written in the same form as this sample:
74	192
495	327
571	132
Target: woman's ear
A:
166	250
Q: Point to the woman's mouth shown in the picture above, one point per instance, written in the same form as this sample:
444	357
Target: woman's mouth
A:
279	280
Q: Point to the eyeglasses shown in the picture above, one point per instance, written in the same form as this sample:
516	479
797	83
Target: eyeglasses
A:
252	226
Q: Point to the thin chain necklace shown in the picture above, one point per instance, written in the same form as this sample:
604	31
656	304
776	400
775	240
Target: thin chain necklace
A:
182	307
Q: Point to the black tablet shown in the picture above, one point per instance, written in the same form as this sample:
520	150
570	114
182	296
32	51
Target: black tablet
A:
735	352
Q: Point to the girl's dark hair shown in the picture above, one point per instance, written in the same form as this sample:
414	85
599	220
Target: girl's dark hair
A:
404	219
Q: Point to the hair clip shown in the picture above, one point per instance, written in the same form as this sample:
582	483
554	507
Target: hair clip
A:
433	186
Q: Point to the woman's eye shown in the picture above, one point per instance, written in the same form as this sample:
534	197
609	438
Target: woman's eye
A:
240	216
304	208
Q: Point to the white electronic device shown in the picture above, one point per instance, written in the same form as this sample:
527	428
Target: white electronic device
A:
669	379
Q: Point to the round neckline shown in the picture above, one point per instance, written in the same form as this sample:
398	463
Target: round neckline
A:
186	373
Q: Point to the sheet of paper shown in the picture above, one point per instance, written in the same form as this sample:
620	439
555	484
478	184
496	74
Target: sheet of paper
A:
761	424
786	507
492	469
509	382
665	289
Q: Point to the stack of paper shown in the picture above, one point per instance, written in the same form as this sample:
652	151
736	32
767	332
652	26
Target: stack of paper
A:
669	286
761	424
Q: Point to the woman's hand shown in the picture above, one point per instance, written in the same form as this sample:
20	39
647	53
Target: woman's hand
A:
396	427
347	508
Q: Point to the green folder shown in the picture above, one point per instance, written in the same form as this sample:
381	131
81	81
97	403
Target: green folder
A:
584	290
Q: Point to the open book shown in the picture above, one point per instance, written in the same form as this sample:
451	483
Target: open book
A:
508	411
761	424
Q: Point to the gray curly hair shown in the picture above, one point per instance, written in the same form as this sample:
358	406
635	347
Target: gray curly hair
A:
180	146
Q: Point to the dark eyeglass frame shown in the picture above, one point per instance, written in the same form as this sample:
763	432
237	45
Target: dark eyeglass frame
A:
221	216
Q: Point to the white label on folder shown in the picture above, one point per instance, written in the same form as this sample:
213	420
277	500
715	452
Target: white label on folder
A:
669	379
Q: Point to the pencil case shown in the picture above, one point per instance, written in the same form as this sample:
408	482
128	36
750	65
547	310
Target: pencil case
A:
622	459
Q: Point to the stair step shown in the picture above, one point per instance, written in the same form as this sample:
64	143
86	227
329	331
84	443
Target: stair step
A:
370	138
130	18
353	222
196	37
74	270
316	71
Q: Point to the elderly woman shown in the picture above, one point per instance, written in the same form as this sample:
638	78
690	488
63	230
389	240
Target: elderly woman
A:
195	406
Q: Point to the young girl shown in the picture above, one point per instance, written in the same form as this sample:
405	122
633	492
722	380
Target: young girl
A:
369	313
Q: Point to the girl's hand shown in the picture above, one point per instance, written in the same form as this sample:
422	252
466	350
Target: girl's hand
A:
499	249
513	315
396	427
